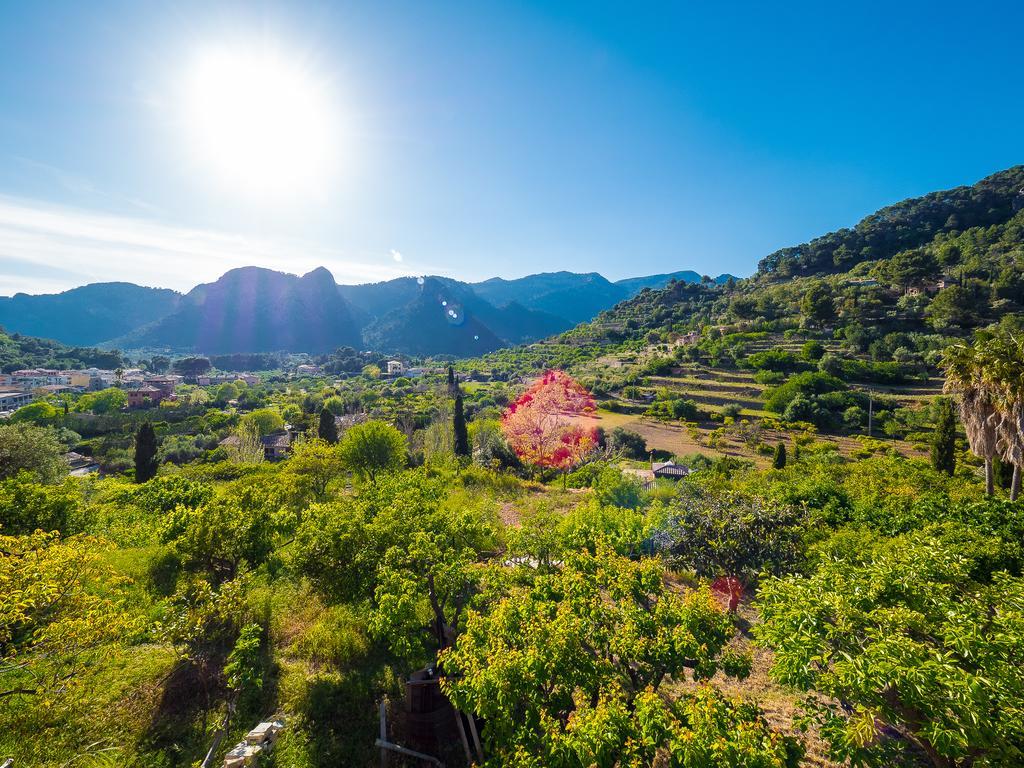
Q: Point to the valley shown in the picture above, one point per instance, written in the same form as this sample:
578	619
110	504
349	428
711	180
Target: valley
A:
511	385
712	523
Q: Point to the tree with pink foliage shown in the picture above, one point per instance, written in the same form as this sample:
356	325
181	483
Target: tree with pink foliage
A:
543	427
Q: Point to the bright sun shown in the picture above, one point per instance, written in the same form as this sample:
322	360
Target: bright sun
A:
260	120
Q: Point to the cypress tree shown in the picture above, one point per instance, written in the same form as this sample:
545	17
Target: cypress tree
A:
944	439
327	429
145	454
459	424
779	460
453	388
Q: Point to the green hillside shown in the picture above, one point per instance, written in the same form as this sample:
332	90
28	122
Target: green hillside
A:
860	334
18	351
88	315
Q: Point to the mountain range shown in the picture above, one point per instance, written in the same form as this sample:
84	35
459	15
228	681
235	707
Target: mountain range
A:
936	236
251	309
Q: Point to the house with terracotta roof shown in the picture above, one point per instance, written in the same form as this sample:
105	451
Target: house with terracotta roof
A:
144	397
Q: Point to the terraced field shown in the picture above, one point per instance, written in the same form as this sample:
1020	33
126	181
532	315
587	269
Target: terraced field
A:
712	389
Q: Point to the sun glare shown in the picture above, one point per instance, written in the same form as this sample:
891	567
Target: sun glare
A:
260	121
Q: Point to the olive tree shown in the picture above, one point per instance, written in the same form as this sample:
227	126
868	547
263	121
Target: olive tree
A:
27	448
567	670
402	548
725	533
371	448
901	638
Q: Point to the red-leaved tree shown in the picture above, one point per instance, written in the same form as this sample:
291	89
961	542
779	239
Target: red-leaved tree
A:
542	426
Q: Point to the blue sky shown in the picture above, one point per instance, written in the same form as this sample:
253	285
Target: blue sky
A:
480	139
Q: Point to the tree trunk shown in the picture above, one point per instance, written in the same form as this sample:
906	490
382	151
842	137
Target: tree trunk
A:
989	479
1015	483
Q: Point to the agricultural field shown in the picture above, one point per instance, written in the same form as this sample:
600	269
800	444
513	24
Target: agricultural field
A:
731	418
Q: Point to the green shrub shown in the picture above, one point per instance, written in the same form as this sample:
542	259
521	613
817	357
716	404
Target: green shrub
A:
732	410
807	383
769	377
632	445
772	360
676	408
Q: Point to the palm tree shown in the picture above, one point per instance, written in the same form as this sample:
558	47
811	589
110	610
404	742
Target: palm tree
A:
1011	447
988	376
1002	365
965	377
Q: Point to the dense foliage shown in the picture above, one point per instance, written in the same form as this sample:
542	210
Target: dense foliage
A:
18	352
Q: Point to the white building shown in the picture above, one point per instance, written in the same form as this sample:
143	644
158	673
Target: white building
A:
395	368
98	378
31	378
12	401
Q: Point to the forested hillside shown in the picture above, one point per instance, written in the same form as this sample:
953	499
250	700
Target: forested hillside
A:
88	315
17	351
909	224
862	335
930	267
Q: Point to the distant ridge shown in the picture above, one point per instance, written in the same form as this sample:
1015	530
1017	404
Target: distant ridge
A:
574	296
255	310
569	295
636	284
251	309
87	315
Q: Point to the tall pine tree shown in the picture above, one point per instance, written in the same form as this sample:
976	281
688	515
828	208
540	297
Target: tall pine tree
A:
779	460
459	424
453	387
327	429
944	438
145	454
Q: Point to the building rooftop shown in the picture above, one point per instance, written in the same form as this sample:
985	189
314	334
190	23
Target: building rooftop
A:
669	469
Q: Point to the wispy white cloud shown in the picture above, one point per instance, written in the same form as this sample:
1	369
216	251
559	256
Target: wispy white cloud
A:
83	188
45	248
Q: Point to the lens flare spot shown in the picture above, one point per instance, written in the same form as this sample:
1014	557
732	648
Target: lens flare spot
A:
453	313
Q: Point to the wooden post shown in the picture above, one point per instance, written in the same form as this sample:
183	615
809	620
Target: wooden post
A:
208	760
476	736
410	753
383	731
462	735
